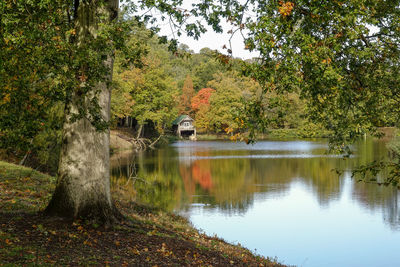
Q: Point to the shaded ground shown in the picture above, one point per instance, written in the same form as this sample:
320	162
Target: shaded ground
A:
148	237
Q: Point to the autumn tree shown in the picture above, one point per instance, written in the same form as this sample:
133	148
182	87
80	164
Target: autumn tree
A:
284	110
63	50
231	92
201	108
128	76
343	55
83	183
30	80
188	92
121	100
201	98
154	97
149	91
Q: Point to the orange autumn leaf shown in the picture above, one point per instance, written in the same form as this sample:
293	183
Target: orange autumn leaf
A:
285	8
6	99
201	98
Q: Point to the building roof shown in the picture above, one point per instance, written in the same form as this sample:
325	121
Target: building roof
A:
181	118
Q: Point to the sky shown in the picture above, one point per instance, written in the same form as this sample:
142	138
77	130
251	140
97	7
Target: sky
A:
214	41
210	39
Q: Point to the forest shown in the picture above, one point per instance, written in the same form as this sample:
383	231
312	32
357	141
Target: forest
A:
155	80
72	73
208	86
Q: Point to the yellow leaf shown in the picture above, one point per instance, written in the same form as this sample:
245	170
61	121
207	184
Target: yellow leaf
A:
135	251
6	99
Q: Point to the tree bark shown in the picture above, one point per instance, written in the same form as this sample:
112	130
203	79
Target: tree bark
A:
83	183
139	132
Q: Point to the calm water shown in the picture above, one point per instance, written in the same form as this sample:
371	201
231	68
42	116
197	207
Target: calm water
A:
278	198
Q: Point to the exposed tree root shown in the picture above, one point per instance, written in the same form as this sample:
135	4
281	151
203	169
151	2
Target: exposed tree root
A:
141	144
99	211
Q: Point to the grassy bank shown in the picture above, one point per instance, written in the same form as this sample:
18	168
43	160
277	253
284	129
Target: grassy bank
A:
148	237
207	137
294	133
271	134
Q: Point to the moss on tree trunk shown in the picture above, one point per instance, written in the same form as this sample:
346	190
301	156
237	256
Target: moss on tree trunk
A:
83	185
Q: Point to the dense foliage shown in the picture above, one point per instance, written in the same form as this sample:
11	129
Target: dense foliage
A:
214	93
335	61
31	57
342	54
344	57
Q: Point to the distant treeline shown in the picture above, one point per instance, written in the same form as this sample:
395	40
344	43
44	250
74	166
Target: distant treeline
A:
207	86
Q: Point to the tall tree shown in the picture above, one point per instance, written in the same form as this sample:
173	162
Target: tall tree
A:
204	71
227	102
186	97
83	183
63	50
30	80
344	55
201	108
202	98
152	92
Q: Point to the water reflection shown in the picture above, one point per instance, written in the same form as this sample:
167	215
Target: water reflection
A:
282	183
227	175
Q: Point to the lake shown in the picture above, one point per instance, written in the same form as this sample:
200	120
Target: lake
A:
280	199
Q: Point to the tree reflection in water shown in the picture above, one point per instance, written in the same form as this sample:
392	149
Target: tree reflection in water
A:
228	175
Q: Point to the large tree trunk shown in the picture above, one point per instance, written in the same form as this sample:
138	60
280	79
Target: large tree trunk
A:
83	185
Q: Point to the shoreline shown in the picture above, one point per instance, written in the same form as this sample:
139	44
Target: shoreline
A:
147	237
